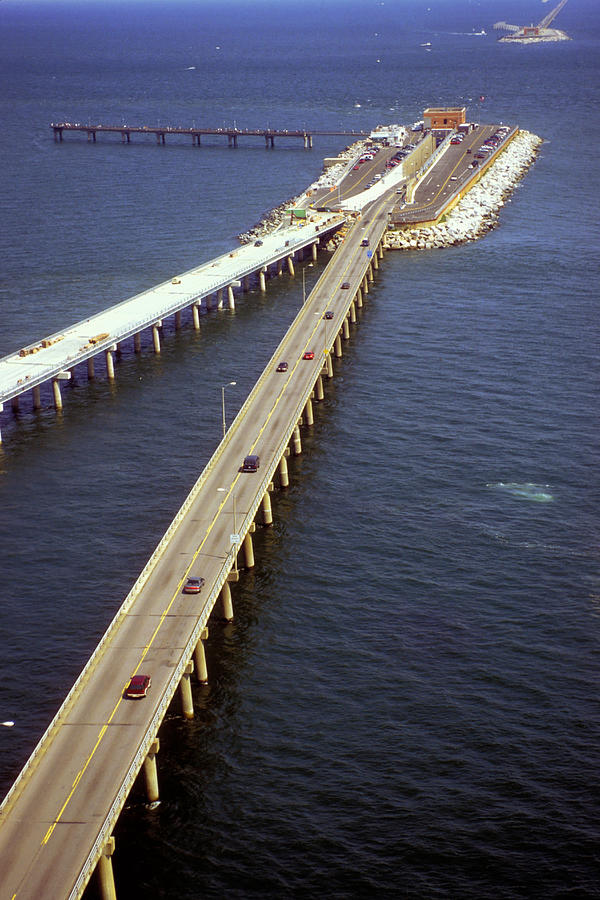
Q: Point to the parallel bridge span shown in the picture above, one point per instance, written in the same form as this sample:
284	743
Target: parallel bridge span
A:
56	822
54	358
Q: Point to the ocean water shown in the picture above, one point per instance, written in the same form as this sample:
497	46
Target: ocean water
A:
406	704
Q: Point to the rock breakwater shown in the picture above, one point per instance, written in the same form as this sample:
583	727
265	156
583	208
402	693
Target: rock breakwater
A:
477	212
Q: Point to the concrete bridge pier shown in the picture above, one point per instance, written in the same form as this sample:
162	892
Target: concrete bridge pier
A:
156	335
284	478
226	603
178	320
37	400
345	329
296	441
365	286
196	316
246	283
290	262
137	343
185	692
279	266
58	404
230	297
359	298
200	659
14	403
261	280
337	346
319	392
329	366
314	250
380	250
353	313
106	878
308	413
267	511
248	551
110	364
220	298
90	367
151	773
370	275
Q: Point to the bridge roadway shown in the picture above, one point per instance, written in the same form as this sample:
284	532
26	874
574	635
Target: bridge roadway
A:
52	358
449	175
57	819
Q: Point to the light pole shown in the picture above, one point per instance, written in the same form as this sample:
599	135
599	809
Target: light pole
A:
229	384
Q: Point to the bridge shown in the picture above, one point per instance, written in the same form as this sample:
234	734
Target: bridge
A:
547	20
54	359
57	821
231	133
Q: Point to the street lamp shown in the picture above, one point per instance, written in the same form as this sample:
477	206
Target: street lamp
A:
229	384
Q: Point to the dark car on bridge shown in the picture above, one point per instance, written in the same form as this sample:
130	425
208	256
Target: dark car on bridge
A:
138	687
328	314
282	367
251	463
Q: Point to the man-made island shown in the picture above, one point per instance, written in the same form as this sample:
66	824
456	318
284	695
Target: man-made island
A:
533	34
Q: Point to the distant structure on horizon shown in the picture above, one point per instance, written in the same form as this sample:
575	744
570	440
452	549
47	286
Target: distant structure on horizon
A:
534	34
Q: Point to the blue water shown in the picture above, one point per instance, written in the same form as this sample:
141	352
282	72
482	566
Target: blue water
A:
407	703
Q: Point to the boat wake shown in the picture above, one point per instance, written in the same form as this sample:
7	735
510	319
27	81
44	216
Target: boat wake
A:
538	493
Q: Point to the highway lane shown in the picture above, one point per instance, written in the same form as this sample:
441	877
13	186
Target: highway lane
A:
444	177
356	180
63	805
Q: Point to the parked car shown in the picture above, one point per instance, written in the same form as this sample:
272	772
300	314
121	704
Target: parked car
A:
258	243
138	687
193	585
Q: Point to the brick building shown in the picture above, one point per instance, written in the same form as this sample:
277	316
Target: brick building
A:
444	116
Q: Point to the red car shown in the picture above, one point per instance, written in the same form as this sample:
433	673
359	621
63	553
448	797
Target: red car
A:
309	355
138	687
